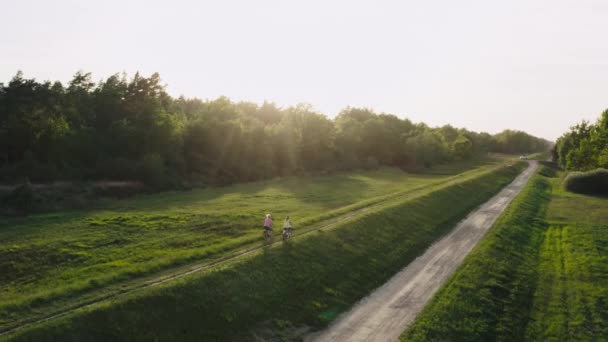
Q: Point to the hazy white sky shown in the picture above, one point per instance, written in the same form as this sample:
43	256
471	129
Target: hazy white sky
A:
535	65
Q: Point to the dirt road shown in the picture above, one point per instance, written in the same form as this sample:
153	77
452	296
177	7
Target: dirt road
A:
383	315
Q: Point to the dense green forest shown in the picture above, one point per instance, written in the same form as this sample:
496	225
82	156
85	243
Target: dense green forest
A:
131	129
584	147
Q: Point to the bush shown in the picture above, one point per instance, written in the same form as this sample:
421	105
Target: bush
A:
547	170
152	170
22	198
115	169
592	182
371	163
117	189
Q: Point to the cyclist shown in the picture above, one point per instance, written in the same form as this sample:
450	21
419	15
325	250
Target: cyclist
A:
268	227
287	228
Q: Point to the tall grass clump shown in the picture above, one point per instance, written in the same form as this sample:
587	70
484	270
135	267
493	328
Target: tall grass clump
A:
489	298
590	183
304	283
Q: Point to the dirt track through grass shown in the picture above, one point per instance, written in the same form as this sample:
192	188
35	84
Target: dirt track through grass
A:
541	274
326	222
303	283
389	309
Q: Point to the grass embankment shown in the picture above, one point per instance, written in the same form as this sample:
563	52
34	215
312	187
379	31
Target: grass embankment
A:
488	297
54	259
571	300
306	282
541	274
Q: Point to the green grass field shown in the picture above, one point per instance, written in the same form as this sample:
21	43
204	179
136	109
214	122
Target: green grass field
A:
571	301
51	260
541	274
305	283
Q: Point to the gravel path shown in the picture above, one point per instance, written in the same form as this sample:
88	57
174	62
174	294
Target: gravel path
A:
386	312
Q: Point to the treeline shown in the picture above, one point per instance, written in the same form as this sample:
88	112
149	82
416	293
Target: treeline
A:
131	129
584	147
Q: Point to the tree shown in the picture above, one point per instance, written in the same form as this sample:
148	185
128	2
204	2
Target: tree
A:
462	147
585	146
121	128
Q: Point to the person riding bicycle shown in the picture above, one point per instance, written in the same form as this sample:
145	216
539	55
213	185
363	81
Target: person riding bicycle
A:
268	224
287	228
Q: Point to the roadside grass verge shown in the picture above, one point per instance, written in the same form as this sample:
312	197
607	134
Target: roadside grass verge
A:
541	274
489	297
306	282
51	261
571	300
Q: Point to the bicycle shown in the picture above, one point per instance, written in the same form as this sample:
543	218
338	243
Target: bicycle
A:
267	234
286	234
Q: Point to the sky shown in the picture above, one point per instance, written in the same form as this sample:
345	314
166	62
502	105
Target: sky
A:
535	65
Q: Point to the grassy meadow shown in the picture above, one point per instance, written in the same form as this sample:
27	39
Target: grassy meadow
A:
541	274
50	260
305	283
571	300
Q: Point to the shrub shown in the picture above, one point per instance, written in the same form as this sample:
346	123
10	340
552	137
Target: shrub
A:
117	189
592	182
152	170
22	198
8	173
115	169
371	163
36	171
547	170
